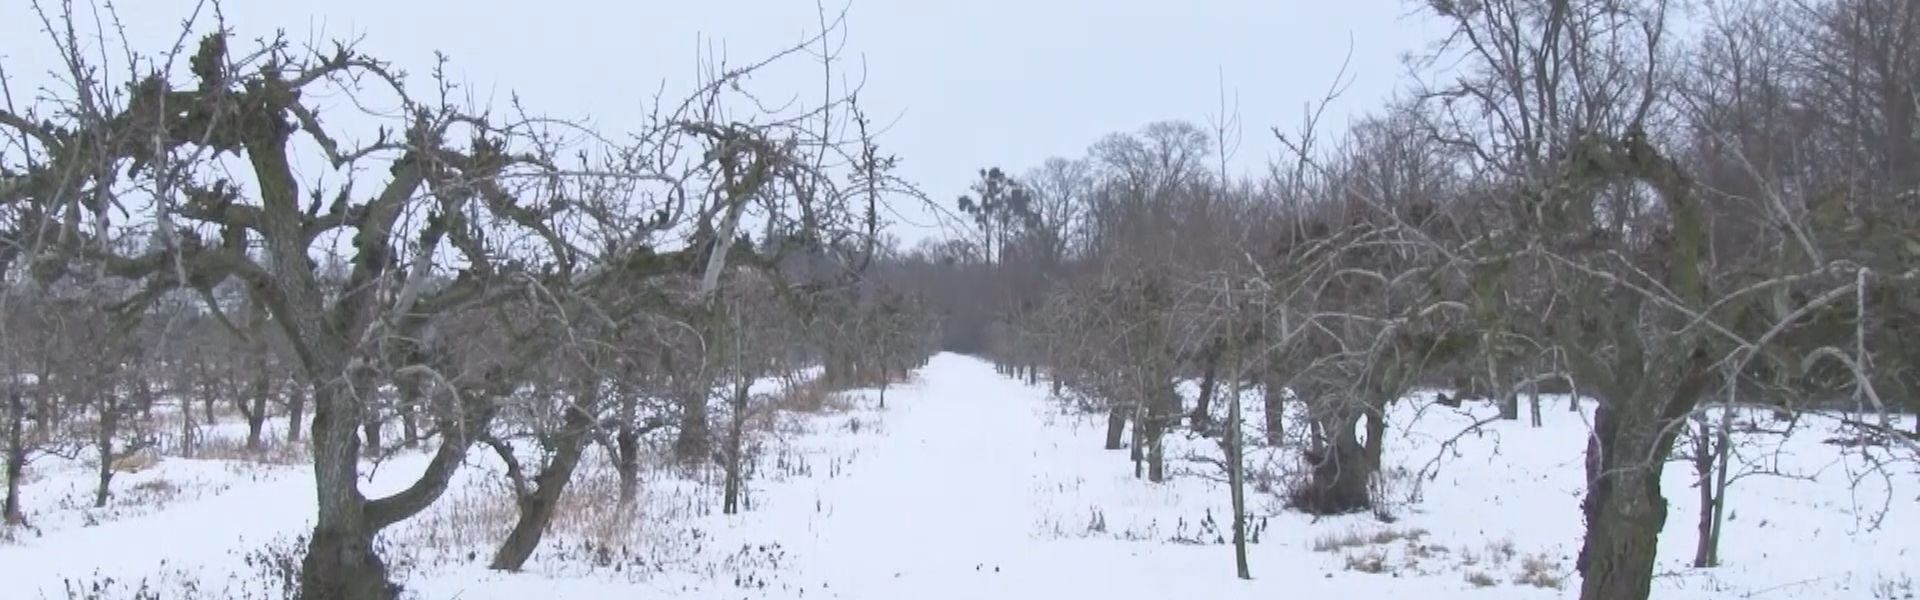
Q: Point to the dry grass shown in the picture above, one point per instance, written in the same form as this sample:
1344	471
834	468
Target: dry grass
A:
1496	553
1371	561
1479	579
1354	538
813	396
273	451
135	463
1539	571
463	521
153	492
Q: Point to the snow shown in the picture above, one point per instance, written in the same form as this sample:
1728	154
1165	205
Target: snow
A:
971	485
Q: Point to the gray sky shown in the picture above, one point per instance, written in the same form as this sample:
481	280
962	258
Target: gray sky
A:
965	85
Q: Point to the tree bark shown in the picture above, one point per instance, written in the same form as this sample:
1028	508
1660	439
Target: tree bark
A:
1276	410
410	408
186	425
1137	450
296	409
1533	404
373	429
1202	419
340	562
627	451
1237	481
736	433
1624	509
16	458
1342	465
254	408
1722	453
103	442
1161	413
1703	474
1116	426
695	439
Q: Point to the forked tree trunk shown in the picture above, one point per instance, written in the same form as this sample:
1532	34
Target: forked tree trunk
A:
1342	466
341	563
537	506
1712	452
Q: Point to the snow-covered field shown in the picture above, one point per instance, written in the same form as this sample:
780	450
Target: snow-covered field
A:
970	485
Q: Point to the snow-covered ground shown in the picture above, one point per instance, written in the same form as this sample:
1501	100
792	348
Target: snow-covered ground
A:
971	485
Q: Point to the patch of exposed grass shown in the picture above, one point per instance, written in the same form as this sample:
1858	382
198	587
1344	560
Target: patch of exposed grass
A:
1479	579
1539	571
1371	561
1354	538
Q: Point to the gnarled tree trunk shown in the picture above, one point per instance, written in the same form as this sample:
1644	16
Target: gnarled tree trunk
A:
340	562
1342	466
1624	509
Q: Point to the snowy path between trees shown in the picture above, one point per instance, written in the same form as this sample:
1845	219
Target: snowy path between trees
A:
953	500
972	485
945	508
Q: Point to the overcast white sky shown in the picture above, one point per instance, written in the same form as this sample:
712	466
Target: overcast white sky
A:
966	84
